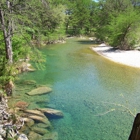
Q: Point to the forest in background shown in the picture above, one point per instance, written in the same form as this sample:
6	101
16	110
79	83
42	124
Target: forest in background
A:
27	25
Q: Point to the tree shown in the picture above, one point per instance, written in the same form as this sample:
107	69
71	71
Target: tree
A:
79	16
124	30
118	19
6	27
20	22
32	17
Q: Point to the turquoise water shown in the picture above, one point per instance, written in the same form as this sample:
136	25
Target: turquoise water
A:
99	98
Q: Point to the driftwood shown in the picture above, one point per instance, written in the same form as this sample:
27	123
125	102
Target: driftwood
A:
135	132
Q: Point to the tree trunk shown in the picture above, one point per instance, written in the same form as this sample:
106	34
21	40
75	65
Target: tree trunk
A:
7	33
124	42
135	132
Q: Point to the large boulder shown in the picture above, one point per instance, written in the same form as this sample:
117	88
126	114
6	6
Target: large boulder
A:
40	91
51	112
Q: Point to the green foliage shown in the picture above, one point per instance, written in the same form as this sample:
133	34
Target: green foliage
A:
7	72
20	46
26	21
118	23
123	29
38	58
80	15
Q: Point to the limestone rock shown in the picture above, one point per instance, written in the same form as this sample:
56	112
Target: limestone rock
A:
24	66
40	119
30	69
51	136
28	82
52	112
29	122
21	104
34	136
2	131
42	125
40	131
40	91
1	138
34	112
22	137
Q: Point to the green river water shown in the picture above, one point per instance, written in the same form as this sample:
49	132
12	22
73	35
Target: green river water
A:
98	97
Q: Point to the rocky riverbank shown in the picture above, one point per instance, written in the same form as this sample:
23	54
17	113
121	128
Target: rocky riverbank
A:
10	123
20	123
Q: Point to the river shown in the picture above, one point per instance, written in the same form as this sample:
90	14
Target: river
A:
98	97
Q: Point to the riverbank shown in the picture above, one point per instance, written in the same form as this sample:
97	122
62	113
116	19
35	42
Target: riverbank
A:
129	58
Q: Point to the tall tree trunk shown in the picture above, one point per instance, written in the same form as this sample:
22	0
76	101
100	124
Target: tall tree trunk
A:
7	32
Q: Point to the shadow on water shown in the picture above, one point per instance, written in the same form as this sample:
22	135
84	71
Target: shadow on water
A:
88	42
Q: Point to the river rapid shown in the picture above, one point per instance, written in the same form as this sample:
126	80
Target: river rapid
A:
99	98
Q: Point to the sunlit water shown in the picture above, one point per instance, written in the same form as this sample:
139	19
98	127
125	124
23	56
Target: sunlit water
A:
98	97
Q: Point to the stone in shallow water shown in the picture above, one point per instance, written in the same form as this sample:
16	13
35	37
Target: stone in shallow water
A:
34	136
34	112
42	125
22	104
29	122
52	112
41	131
40	91
40	119
51	136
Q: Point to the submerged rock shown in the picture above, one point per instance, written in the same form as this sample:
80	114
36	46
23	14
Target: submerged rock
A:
40	119
42	125
29	122
34	112
51	136
40	131
52	112
21	104
40	91
28	82
34	136
30	69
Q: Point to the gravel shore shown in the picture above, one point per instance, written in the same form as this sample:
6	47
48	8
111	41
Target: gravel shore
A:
129	58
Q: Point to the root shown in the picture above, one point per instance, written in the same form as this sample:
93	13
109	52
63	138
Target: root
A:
111	110
126	108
